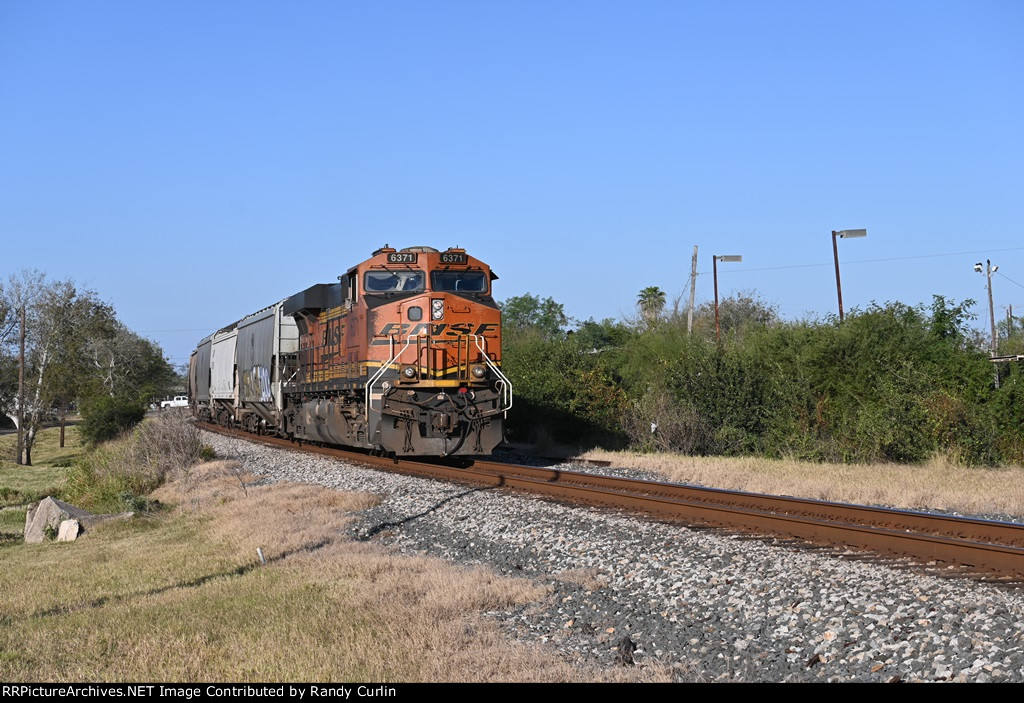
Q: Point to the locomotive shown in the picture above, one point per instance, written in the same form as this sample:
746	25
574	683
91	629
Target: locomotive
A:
401	355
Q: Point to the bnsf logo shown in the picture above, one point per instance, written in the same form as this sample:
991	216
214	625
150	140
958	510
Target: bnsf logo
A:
439	330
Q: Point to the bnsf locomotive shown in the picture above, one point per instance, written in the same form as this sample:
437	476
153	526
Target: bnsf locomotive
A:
401	355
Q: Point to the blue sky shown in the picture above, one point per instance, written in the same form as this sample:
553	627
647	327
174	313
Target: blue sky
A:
193	162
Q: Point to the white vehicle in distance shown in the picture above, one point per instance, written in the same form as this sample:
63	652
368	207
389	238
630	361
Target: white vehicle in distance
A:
180	401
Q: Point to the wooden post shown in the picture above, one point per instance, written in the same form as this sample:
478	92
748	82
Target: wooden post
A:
21	390
693	289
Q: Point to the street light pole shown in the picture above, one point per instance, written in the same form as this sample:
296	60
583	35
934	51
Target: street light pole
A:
843	234
731	257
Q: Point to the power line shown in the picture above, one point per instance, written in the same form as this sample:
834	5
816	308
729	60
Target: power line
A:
1000	273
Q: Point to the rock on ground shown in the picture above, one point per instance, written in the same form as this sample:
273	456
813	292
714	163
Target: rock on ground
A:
52	513
68	531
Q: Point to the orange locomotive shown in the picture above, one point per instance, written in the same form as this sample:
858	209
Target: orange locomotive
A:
402	355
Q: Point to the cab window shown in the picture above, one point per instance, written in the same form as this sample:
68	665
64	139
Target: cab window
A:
393	281
458	281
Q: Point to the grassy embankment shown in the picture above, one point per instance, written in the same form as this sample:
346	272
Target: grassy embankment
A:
181	596
937	484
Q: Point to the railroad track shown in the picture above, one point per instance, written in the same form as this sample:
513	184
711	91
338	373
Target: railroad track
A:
978	545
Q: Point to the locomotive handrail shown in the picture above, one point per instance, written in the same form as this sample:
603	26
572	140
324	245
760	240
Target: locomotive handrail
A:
506	385
380	372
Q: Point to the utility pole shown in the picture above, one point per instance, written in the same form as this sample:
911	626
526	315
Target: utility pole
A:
693	290
988	269
21	389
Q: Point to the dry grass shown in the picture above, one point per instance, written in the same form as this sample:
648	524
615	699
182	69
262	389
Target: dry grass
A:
938	484
182	597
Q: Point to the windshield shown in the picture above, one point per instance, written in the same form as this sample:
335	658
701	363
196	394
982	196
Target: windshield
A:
391	281
461	281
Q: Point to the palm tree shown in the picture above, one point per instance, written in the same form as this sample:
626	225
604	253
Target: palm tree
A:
651	302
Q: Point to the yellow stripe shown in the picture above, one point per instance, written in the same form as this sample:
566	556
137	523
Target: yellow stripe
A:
333	313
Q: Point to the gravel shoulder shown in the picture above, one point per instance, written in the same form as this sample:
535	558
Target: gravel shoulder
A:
709	605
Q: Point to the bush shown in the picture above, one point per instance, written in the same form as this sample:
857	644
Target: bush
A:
890	383
563	388
117	475
104	417
658	423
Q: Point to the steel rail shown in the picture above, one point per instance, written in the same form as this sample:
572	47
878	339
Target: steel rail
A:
949	540
974	529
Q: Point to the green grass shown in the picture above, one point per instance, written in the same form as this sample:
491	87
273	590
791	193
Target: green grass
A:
20	485
46	450
12	524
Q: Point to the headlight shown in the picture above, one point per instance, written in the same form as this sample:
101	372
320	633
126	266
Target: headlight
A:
436	309
409	372
479	371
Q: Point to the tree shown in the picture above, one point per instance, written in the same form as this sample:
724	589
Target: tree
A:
949	320
58	316
737	312
8	354
651	302
530	312
8	319
592	336
127	364
19	295
75	348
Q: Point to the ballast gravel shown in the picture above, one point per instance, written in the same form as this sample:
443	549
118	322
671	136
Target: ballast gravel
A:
711	606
